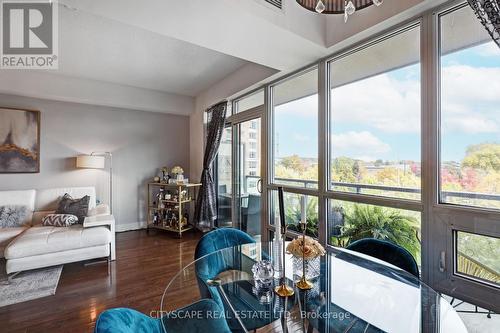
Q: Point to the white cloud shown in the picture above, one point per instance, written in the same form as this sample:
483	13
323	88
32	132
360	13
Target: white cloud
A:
470	102
487	50
470	99
360	145
381	102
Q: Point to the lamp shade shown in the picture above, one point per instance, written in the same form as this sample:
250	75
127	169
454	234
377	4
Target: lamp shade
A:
90	162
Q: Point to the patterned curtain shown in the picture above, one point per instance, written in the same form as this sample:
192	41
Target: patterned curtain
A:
488	12
206	206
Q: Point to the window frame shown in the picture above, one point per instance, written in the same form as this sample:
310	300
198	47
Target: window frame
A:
438	219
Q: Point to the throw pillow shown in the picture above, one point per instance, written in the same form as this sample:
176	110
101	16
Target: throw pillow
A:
78	207
59	220
12	216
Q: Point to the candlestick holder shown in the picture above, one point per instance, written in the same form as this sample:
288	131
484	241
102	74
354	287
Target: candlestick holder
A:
283	290
303	283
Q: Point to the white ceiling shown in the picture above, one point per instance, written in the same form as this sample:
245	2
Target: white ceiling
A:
98	48
169	52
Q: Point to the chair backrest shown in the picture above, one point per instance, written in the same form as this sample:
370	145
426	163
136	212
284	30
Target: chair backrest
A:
388	252
223	189
213	265
220	239
254	204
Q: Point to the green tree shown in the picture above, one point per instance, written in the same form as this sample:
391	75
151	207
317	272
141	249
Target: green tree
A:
346	170
484	156
293	162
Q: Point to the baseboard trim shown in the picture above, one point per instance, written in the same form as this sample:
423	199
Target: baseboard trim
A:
130	226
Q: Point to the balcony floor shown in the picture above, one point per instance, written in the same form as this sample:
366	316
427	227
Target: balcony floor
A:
477	322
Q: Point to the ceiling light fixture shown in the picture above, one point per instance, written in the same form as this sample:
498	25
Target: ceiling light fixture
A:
346	7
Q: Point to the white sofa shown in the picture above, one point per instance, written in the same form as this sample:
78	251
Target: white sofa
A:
34	246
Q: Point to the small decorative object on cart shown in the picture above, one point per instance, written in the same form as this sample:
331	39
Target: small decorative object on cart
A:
156	179
164	175
184	195
178	172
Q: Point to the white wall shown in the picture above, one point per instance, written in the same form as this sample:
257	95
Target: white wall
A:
141	142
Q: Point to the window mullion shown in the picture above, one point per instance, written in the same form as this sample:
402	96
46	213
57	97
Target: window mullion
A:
323	148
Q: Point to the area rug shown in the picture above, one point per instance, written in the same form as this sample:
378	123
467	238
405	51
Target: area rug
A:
28	285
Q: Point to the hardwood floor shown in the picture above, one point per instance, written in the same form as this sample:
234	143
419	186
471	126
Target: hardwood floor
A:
144	266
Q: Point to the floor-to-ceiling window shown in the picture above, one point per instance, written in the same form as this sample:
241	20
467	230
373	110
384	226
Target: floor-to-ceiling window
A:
395	138
375	141
469	142
294	144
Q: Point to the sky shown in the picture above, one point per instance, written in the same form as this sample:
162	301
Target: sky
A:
379	118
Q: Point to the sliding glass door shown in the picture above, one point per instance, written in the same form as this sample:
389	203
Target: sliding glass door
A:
248	175
239	167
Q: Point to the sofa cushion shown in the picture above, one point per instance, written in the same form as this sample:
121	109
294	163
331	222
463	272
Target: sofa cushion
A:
20	198
13	216
41	240
7	235
77	206
48	199
59	220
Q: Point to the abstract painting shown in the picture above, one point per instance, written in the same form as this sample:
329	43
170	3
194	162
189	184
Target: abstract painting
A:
19	141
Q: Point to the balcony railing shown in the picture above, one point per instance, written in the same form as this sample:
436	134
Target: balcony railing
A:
446	196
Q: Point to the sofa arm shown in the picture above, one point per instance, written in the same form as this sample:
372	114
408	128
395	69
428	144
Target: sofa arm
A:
99	220
103	220
100	210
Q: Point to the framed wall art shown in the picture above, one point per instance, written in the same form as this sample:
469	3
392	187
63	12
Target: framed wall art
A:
19	141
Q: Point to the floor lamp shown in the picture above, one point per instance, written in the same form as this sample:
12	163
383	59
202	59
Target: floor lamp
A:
97	160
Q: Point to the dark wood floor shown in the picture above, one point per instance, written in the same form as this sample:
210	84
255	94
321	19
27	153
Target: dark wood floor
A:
144	266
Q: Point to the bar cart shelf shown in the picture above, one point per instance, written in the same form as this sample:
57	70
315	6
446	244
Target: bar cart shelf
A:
169	206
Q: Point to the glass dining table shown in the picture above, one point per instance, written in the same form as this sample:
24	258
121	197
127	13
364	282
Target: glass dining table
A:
351	292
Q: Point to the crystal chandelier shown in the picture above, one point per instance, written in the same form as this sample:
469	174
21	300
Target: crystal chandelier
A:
346	7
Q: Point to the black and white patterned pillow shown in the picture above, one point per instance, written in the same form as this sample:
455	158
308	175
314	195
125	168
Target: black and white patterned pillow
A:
78	207
59	220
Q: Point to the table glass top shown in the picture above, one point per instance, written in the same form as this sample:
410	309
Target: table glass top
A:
350	292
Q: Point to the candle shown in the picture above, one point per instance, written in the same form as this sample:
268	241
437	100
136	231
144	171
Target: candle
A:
277	225
303	209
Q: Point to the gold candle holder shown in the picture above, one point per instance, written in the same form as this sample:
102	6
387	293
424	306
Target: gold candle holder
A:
283	290
303	283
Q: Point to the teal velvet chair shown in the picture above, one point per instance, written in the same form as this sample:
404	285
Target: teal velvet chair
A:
209	267
388	252
122	320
